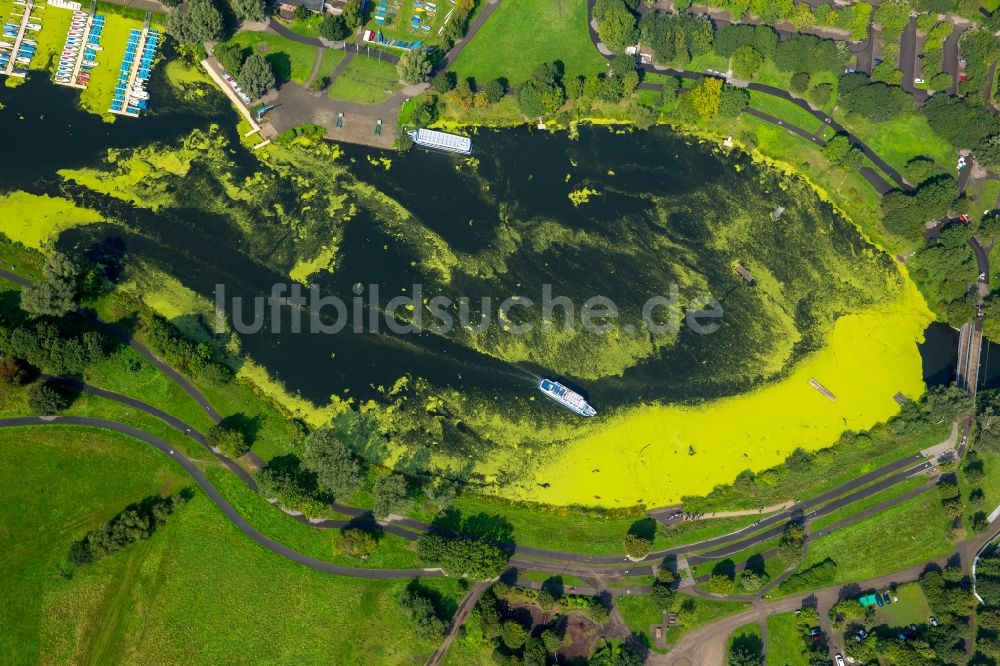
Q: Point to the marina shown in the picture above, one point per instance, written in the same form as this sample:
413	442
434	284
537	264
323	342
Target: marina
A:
18	47
130	95
79	54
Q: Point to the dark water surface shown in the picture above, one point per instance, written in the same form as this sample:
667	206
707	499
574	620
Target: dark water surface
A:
44	131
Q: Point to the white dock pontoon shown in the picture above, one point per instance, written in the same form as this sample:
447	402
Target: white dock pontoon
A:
451	143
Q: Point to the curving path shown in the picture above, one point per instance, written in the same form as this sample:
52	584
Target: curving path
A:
232	514
759	87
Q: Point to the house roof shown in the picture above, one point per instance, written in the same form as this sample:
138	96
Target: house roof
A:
313	5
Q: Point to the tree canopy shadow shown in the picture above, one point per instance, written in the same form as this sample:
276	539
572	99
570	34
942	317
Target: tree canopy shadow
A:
644	528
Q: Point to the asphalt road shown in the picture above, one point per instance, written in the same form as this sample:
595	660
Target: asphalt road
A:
949	62
795	129
908	55
217	499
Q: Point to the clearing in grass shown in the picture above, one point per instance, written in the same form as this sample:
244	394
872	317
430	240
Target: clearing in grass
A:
291	61
366	81
523	34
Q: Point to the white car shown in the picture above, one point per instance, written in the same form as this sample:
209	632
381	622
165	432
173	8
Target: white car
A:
840	660
919	81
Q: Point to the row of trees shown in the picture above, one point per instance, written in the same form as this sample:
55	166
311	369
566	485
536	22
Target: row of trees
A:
251	70
135	523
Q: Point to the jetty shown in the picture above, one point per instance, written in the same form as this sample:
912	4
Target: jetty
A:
822	389
451	143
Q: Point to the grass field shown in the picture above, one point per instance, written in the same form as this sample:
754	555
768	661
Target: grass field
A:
857	507
902	139
787	111
785	646
639	612
911	608
164	600
523	34
910	533
366	81
588	531
308	27
291	61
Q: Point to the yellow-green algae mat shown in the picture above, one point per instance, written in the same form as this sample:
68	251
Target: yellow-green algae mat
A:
645	453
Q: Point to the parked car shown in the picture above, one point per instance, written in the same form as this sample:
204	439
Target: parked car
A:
886	598
918	80
933	621
840	660
878	600
961	61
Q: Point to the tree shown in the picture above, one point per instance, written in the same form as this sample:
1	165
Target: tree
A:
356	542
821	93
799	82
733	101
637	546
48	398
462	557
513	634
334	28
662	595
353	15
248	10
414	66
893	17
302	13
617	29
599	613
702	102
746	61
551	640
840	152
440	496
721	584
443	81
421	609
228	440
545	599
988	151
55	295
750	581
494	90
337	470
231	56
390	494
196	22
256	76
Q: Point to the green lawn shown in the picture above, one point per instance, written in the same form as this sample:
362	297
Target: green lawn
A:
785	645
903	138
787	111
639	612
911	608
910	533
166	598
291	61
522	34
308	27
366	81
857	507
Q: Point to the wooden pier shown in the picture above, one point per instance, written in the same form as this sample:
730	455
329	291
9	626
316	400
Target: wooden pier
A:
25	20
